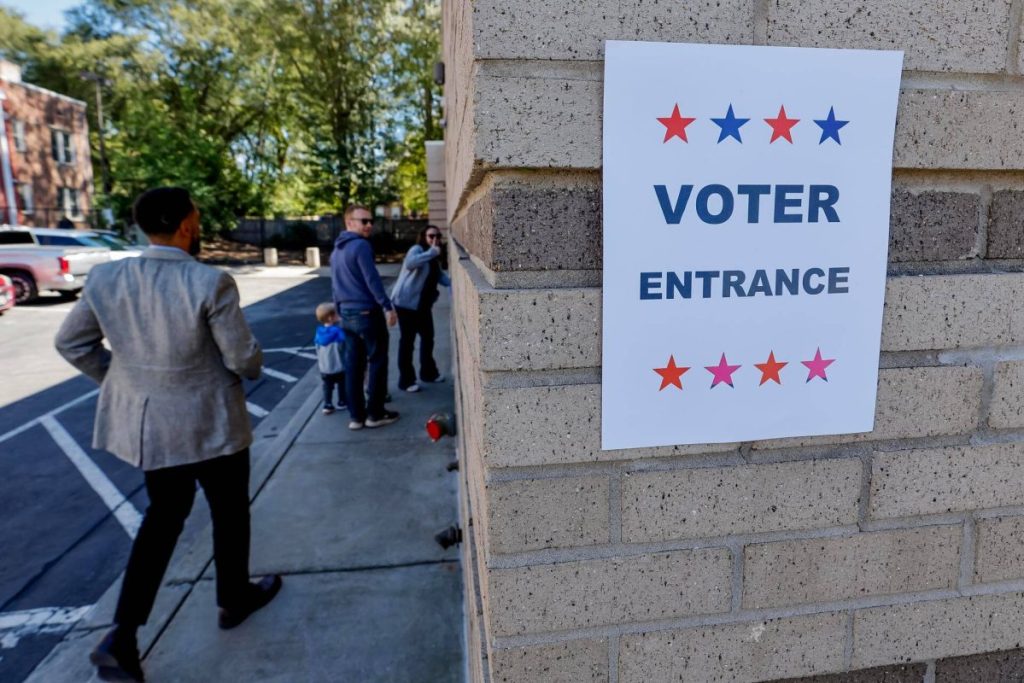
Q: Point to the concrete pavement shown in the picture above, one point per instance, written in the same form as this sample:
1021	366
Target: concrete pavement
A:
348	518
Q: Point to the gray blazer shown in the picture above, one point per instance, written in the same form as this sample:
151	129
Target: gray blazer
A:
171	383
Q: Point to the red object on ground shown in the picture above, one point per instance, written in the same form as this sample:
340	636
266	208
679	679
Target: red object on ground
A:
440	424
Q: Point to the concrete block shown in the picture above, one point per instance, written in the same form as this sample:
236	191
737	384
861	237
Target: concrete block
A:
711	502
552	425
539	329
1006	224
953	312
554	121
913	402
554	224
737	653
938	628
534	29
899	673
960	130
1006	411
999	554
547	513
933	225
935	481
936	35
575	661
992	666
538	122
556	597
831	569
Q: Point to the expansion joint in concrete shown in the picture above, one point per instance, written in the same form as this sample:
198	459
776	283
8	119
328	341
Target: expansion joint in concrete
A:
848	642
1013	54
929	672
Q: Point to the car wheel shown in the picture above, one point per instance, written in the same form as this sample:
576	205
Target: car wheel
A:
24	285
69	295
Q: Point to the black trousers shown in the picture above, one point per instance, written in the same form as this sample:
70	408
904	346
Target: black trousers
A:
171	490
366	354
413	322
328	383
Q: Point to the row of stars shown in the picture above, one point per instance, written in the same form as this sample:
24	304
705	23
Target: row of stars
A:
671	374
730	124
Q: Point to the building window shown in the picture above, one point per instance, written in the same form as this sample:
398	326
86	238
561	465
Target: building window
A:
68	198
63	149
26	201
19	135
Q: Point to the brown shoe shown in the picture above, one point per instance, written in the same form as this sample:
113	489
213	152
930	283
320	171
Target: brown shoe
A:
262	592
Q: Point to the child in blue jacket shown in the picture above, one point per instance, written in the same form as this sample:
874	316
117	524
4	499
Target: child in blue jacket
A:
329	341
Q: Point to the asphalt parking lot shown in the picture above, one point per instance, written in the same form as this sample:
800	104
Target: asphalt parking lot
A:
69	511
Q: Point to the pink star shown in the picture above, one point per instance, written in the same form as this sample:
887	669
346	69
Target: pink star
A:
722	372
817	366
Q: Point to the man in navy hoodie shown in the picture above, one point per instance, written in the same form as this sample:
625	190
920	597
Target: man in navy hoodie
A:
366	313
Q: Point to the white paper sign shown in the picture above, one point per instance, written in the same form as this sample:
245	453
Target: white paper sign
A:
746	227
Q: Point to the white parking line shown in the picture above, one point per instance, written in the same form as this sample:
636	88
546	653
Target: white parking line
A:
284	376
59	409
256	410
17	625
294	350
120	506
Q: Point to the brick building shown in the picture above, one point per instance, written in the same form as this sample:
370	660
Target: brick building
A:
48	147
894	555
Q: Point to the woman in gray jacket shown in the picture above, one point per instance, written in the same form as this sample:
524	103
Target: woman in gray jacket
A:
414	295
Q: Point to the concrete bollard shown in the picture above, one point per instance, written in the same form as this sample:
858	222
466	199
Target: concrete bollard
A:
313	257
270	257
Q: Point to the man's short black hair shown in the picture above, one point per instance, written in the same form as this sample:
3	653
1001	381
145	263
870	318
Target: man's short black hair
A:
161	210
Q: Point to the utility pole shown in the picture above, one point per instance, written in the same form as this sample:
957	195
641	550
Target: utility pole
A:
104	164
5	163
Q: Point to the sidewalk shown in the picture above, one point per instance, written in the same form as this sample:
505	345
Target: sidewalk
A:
348	518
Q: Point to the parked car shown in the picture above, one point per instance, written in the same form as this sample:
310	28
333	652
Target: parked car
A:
34	268
119	248
7	295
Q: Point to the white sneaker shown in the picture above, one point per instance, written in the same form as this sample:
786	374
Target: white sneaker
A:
439	378
413	388
353	425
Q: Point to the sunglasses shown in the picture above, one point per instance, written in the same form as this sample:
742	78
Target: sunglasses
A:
434	236
365	221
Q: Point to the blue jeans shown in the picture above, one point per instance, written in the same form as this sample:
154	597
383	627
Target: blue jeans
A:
366	344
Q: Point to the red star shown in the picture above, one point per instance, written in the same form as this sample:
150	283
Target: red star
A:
670	374
781	126
817	366
675	125
770	369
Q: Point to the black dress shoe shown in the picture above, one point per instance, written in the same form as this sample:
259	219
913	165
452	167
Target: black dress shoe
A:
117	659
261	593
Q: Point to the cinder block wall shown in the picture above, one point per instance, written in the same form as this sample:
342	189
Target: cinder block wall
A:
897	555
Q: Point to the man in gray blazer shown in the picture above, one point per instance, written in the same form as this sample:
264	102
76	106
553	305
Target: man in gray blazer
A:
171	402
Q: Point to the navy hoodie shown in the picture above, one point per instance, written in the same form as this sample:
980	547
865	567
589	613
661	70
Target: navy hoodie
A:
354	277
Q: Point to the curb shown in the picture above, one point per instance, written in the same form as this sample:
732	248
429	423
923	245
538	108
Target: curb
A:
68	660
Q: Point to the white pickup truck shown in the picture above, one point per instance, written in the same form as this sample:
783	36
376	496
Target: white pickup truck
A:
34	268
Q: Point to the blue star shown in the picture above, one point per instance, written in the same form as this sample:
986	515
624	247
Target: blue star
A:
830	127
730	126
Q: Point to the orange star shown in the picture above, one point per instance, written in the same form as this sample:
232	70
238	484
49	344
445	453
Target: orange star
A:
781	126
670	374
675	125
770	369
